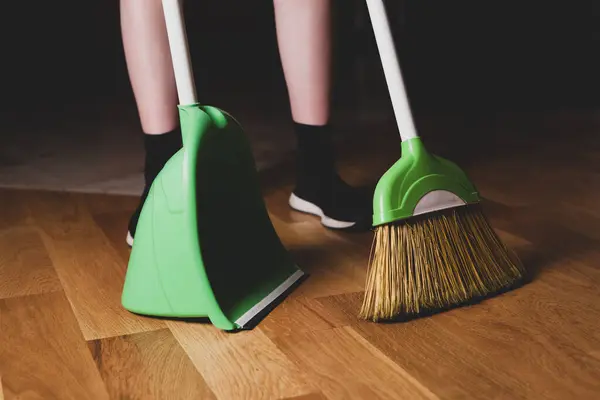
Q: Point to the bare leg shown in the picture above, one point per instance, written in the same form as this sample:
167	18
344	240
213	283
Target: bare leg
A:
304	38
303	34
149	64
152	79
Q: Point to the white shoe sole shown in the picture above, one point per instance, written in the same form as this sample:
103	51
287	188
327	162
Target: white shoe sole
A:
304	206
129	239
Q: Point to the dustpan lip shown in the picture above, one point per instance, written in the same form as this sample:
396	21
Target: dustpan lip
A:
268	300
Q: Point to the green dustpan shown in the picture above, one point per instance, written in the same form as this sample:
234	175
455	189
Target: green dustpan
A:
205	245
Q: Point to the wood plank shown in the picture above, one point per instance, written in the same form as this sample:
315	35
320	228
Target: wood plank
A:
585	221
315	248
295	315
114	226
317	253
244	365
14	211
324	279
100	203
42	352
363	372
538	228
146	366
536	338
91	271
25	267
111	214
311	396
430	355
500	347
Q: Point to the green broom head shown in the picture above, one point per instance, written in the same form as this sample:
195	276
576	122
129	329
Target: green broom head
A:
433	247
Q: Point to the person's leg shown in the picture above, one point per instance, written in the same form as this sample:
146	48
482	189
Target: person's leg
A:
304	38
152	79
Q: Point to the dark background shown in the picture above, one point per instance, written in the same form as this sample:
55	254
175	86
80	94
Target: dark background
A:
461	56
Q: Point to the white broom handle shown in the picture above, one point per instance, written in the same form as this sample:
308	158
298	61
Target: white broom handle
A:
391	69
180	54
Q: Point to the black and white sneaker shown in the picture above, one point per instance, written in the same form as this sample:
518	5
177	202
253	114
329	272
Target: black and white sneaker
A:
339	206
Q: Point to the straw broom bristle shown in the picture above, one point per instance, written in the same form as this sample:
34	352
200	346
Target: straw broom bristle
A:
436	262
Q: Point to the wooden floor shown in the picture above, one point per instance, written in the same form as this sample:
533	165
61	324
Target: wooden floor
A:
64	334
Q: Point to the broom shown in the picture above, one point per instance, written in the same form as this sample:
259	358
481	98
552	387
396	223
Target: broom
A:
433	247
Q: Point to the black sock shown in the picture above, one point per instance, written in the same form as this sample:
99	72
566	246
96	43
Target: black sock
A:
318	182
315	162
159	149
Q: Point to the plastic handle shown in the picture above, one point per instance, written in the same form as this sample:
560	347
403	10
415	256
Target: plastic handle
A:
391	69
180	54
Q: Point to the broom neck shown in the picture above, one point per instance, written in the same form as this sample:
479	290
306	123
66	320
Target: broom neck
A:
391	69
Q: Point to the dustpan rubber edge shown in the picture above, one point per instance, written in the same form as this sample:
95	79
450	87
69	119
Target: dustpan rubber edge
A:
253	316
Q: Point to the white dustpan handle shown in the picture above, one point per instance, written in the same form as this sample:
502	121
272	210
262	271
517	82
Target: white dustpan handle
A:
182	65
391	69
